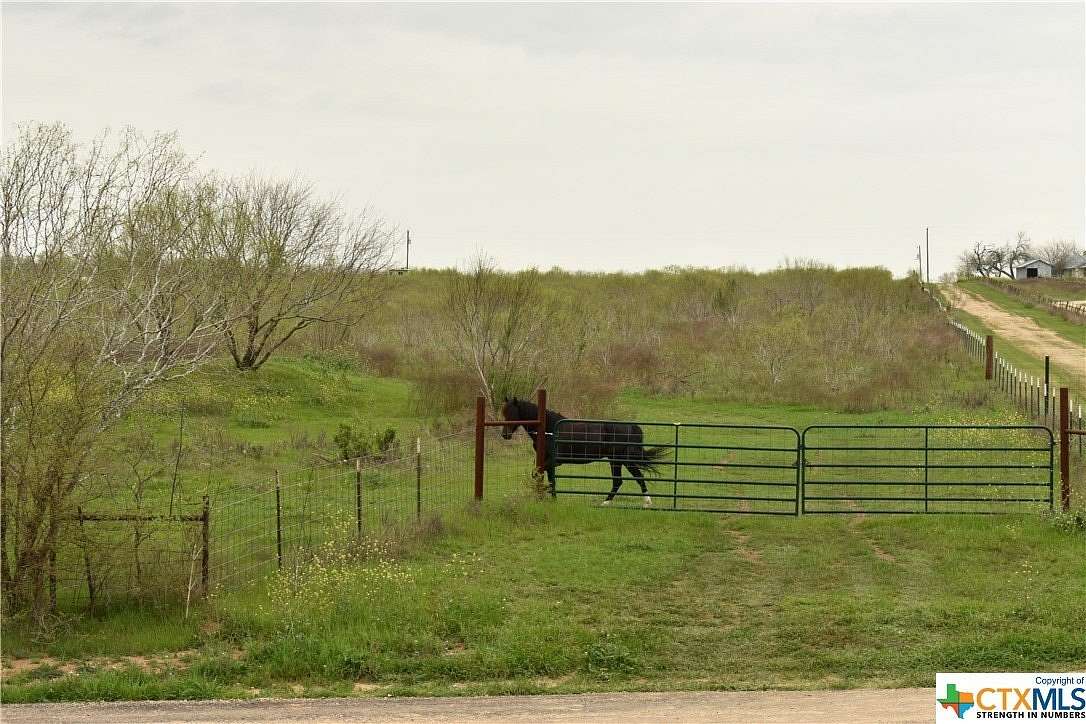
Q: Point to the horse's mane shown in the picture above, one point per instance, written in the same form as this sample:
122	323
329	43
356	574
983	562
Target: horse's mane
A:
528	410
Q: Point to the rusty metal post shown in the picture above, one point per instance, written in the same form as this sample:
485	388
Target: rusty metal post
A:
1065	451
541	432
989	349
480	442
205	556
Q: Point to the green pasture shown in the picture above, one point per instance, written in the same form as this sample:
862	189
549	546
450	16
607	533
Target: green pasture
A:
540	596
537	595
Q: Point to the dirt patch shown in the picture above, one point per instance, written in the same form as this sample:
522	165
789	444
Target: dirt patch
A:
149	664
1025	333
879	552
365	686
748	554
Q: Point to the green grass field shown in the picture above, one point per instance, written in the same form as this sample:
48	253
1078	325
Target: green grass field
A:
523	595
540	596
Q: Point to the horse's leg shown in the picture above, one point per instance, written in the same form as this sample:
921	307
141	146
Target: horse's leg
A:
636	472
616	482
551	479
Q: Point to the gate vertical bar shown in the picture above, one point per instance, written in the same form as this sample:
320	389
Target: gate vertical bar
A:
675	470
480	441
801	463
1051	474
1065	451
926	431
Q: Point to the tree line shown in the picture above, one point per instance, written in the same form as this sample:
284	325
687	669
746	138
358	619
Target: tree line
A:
125	267
987	259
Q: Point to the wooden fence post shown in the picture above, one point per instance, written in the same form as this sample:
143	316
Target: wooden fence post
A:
53	579
541	432
86	562
989	349
418	478
278	524
358	496
1065	451
1047	388
205	556
480	441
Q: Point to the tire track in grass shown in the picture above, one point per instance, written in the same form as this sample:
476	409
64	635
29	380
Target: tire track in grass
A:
747	554
854	523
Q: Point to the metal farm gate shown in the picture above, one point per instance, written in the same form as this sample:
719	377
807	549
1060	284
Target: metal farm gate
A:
778	470
926	468
699	466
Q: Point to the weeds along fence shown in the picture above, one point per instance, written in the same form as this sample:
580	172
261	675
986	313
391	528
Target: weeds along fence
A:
241	533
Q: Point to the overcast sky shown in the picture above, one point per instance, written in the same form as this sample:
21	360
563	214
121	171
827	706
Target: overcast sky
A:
604	136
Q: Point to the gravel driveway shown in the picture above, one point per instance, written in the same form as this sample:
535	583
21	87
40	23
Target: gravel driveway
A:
844	707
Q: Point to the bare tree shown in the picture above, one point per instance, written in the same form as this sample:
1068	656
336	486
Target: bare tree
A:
976	260
103	298
292	262
1006	257
498	324
988	260
1058	253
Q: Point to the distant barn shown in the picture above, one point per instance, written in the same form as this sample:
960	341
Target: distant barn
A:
1033	269
1075	267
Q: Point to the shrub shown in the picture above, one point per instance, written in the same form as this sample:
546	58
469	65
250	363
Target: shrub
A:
357	443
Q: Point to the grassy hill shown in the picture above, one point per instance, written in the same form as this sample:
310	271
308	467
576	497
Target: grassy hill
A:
529	595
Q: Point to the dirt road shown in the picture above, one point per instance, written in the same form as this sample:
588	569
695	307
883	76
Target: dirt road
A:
846	707
1025	334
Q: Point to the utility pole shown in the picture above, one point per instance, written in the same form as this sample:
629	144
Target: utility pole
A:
927	246
407	262
919	265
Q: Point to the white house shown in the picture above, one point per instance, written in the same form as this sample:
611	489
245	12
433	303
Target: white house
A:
1033	269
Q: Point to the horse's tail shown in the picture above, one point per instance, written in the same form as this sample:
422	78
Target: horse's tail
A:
648	457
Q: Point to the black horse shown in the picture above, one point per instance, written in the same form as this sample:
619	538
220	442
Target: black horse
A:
620	443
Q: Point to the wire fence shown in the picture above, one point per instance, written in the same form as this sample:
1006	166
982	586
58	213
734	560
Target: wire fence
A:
241	533
1070	309
1029	392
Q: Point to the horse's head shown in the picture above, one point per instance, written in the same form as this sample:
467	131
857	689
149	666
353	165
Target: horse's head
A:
510	411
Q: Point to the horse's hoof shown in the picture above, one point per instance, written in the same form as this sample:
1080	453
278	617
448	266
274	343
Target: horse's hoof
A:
647	503
605	503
